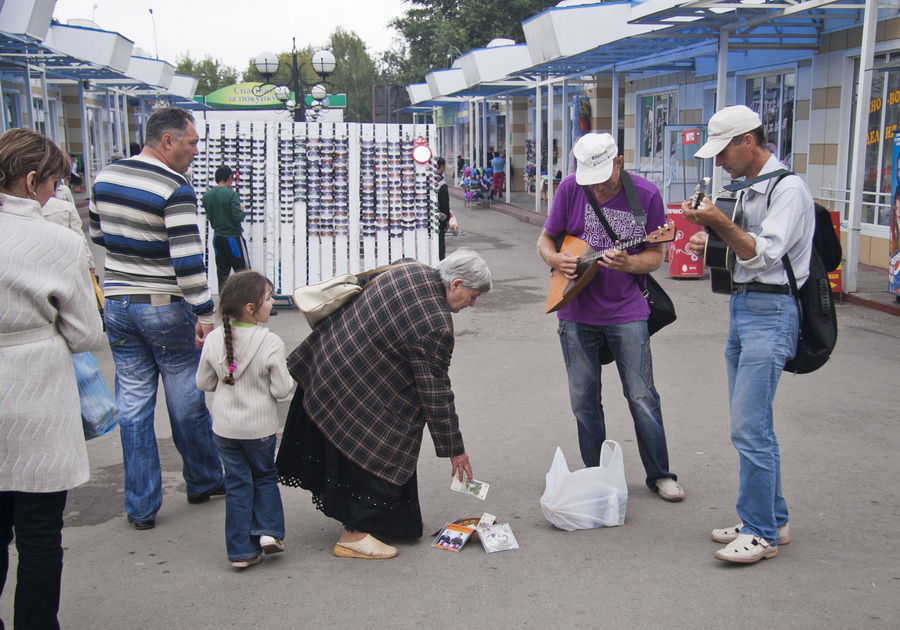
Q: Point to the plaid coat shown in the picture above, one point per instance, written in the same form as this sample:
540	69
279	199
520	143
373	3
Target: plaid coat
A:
376	372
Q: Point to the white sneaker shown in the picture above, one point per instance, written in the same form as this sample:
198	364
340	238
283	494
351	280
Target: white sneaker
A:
669	489
243	564
270	544
727	534
746	549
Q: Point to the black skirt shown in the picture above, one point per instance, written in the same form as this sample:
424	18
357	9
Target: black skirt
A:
341	489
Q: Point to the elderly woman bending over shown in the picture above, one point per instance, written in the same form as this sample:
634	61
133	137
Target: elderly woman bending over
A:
371	377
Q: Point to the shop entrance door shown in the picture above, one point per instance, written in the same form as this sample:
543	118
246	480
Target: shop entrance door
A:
681	170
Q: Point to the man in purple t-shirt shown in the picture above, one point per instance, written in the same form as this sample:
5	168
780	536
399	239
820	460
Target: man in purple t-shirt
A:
609	314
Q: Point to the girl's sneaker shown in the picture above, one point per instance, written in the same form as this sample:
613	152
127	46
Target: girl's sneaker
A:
243	564
270	544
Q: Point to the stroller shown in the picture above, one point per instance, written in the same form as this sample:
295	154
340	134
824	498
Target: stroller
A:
477	184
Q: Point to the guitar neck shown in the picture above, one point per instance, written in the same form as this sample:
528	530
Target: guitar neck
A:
622	245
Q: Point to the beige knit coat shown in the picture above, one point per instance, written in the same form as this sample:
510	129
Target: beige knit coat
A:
45	295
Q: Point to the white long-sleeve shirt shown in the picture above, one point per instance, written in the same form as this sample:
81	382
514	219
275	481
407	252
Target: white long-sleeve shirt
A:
785	226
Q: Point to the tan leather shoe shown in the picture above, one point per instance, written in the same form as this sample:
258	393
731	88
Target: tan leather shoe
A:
369	548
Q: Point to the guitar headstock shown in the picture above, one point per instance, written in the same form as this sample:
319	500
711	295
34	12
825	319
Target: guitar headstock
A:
663	234
700	192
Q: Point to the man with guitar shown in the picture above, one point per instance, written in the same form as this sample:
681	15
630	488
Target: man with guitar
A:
608	314
764	325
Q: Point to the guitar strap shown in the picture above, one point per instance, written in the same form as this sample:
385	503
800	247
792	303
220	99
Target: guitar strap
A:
746	183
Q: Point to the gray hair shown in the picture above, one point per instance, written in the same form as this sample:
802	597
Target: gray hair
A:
469	267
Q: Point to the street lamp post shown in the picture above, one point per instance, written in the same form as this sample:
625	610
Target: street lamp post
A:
323	64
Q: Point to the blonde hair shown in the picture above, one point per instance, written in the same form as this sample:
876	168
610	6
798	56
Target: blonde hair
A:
23	151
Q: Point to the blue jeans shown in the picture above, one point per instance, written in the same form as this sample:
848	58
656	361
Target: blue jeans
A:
252	499
630	345
762	337
149	341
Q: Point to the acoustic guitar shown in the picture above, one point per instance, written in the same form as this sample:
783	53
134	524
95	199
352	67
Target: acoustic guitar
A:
563	290
719	257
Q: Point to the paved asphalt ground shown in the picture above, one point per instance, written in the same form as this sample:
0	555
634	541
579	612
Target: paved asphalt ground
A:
839	440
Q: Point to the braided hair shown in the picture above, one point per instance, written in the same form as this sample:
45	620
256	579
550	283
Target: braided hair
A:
243	287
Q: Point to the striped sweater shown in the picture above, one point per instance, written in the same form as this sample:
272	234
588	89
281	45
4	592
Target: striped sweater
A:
145	215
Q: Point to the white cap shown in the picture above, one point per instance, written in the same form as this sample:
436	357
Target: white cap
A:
727	124
594	155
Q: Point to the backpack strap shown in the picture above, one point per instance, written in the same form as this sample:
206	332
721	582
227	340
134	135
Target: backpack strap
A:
792	280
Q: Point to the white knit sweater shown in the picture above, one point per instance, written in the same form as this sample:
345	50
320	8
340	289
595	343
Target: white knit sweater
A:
247	409
44	283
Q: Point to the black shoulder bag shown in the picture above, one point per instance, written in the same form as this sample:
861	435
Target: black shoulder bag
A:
662	310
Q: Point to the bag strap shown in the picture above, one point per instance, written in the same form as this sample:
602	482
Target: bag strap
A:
633	201
640	216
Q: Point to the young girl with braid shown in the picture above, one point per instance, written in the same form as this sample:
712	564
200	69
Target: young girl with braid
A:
245	365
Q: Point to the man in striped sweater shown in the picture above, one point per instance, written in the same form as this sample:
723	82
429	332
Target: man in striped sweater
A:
158	309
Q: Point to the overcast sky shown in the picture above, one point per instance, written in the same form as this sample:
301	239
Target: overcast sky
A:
234	31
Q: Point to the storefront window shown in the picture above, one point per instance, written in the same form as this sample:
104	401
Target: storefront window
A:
880	174
656	111
772	97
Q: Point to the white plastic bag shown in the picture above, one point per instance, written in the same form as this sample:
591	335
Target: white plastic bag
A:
587	498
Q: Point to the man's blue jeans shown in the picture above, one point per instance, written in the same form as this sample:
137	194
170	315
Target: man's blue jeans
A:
762	337
149	341
630	345
252	499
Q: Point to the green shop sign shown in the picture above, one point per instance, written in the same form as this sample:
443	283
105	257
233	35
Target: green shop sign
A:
241	96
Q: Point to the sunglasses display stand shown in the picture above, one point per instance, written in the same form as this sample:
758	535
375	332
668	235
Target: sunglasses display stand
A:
322	198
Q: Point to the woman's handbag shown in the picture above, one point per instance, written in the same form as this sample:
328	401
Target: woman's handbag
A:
319	300
99	413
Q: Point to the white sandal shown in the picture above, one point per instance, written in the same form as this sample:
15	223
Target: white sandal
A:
746	549
727	534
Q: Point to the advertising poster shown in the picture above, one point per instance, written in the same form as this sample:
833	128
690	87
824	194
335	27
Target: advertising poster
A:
894	249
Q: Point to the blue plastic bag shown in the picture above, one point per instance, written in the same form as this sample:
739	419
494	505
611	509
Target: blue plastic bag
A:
99	413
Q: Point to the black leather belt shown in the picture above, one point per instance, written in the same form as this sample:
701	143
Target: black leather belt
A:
144	298
761	287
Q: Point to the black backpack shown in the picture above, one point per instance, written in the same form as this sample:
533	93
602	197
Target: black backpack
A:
818	319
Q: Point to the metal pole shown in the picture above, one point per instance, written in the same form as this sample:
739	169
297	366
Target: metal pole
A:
300	105
721	94
29	96
507	144
854	216
538	134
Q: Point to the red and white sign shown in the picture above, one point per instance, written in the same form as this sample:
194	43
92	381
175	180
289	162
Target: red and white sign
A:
690	136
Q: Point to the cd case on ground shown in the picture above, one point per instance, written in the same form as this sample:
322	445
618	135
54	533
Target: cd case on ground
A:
497	537
452	537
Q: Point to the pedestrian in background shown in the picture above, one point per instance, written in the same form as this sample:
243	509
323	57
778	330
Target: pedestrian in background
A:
499	176
446	220
158	310
223	210
244	364
48	312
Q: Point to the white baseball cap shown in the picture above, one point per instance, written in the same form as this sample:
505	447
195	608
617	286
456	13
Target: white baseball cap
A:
594	155
727	124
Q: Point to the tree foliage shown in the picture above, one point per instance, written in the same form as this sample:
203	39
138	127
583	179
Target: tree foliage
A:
438	31
210	73
355	72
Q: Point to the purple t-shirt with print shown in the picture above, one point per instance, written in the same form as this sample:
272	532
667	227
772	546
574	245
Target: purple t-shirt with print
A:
613	297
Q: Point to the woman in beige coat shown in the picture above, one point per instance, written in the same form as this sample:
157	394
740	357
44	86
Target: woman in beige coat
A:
47	311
